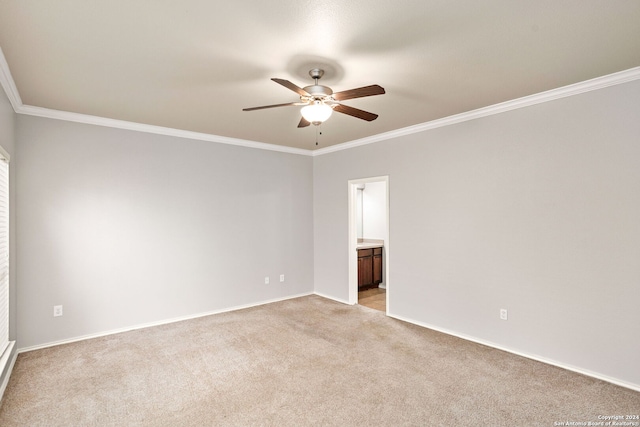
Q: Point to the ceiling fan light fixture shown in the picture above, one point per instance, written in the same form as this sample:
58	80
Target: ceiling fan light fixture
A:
317	112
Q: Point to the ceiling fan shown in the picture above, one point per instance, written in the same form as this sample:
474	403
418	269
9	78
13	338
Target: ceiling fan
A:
320	101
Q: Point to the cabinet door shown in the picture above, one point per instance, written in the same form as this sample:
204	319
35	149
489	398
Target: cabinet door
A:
377	269
365	271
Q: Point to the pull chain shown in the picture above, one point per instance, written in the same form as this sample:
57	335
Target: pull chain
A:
318	132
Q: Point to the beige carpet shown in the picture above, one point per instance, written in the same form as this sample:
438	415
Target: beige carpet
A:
302	362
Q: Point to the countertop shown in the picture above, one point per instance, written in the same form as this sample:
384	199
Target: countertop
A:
369	244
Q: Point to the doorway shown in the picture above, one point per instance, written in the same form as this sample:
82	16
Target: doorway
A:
367	232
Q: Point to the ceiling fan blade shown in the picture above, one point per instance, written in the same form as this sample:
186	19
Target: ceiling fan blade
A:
271	106
303	123
361	114
359	92
291	86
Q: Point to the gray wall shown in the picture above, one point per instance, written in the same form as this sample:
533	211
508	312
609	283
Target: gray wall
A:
125	228
536	210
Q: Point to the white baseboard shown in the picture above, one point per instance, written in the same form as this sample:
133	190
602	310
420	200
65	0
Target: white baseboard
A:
158	323
332	298
616	381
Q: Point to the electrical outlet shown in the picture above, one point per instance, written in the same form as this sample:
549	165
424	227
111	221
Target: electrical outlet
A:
503	314
57	310
266	280
282	277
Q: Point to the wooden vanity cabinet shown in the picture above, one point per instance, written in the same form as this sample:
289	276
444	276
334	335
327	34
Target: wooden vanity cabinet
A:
369	267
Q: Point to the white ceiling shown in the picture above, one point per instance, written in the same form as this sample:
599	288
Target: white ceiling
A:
194	64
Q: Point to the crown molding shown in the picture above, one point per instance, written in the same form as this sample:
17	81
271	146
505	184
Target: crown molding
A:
139	127
8	84
538	98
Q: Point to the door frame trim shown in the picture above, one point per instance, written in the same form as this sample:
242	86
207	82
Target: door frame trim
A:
353	238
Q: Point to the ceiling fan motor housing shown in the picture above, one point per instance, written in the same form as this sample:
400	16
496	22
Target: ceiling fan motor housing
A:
318	91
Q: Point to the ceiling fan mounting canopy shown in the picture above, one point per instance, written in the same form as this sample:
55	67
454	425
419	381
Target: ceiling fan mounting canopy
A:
316	73
320	101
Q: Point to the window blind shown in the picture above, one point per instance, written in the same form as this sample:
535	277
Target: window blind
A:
4	255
